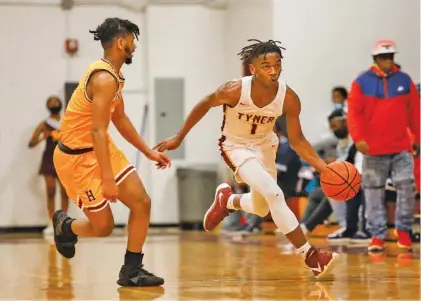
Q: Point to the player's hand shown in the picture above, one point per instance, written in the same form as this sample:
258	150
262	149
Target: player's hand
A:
110	190
362	147
168	144
330	159
161	159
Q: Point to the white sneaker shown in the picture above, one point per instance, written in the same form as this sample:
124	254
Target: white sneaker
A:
338	237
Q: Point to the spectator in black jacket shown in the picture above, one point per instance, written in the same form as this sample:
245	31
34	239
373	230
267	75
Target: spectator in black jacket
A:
345	151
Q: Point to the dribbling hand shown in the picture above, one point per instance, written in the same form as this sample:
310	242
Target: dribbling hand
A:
163	161
168	144
110	190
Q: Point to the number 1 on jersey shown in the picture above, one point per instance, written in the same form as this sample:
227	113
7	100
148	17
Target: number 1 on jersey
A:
253	129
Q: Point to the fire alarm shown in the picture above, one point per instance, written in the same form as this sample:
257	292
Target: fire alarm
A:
72	46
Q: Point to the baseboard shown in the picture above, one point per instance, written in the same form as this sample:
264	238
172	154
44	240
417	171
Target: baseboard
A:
26	229
39	229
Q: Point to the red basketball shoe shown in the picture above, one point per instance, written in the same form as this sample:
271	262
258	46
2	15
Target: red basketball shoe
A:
404	240
320	262
218	211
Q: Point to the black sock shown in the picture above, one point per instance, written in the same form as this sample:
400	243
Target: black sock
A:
67	227
133	259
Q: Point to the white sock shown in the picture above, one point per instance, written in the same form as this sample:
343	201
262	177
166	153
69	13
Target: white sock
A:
304	249
230	204
246	203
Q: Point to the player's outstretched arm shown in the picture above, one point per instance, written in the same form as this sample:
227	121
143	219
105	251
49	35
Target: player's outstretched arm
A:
129	132
228	94
292	109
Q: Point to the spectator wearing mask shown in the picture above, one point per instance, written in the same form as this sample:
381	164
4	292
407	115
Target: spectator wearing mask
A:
383	103
346	151
347	213
48	130
339	97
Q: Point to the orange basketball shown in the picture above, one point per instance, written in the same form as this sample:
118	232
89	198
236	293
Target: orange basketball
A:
341	181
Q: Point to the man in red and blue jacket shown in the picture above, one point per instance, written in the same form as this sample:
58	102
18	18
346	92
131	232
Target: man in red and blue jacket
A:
383	103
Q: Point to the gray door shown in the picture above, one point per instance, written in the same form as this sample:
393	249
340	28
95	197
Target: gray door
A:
169	110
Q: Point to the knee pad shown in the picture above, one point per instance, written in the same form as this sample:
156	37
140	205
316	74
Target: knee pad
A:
272	193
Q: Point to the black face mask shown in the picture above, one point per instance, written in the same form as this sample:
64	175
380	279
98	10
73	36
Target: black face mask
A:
54	110
341	133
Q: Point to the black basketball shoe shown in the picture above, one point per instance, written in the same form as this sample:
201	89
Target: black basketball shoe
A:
65	240
137	276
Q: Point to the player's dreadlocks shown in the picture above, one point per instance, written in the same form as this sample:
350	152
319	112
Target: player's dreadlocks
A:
113	27
252	51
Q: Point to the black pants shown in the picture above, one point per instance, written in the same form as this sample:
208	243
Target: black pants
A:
319	210
352	216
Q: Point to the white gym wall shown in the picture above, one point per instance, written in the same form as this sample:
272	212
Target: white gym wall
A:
196	42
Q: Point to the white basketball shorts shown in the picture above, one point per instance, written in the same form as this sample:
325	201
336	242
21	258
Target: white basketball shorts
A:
236	155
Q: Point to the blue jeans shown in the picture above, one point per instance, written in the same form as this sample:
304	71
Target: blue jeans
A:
319	208
376	169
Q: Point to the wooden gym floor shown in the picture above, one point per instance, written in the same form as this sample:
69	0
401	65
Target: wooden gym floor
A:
202	266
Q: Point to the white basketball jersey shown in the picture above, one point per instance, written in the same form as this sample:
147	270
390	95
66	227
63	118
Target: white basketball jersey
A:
247	123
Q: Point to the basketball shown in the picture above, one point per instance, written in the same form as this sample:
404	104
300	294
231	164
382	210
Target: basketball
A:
341	181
